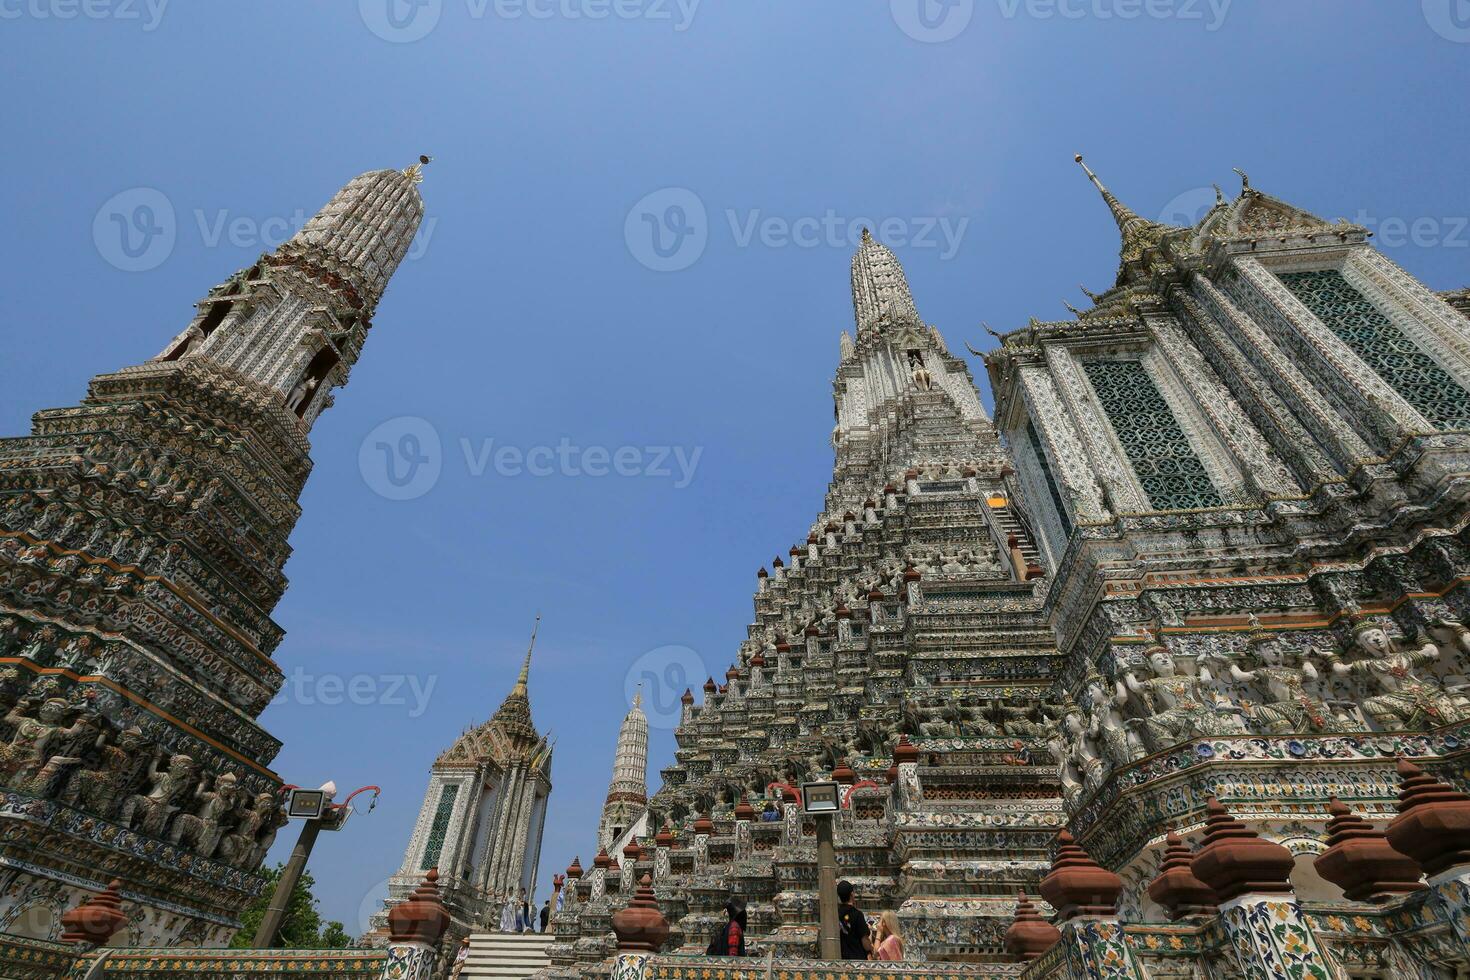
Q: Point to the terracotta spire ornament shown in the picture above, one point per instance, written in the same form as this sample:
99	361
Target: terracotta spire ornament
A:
1234	860
1360	860
640	926
1029	934
97	919
1433	825
1078	885
1176	888
423	917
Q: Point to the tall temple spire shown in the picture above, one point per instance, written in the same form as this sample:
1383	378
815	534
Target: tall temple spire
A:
880	291
514	713
627	794
1138	233
291	326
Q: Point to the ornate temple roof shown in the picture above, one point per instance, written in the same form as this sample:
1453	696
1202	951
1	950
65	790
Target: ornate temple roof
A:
510	735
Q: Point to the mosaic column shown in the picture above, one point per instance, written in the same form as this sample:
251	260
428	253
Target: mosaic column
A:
415	928
1085	895
1258	907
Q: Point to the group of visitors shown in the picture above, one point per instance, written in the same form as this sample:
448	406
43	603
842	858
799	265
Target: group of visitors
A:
857	940
519	915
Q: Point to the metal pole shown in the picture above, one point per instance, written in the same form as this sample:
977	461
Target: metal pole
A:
827	890
265	936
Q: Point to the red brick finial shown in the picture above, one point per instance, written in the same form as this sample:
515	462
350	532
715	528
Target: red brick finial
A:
96	919
665	837
1361	861
640	926
1176	888
1433	825
744	811
422	918
843	773
603	859
1234	860
905	751
574	870
703	824
1029	934
633	852
1078	885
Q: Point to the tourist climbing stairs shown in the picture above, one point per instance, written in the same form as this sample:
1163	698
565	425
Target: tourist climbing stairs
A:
506	955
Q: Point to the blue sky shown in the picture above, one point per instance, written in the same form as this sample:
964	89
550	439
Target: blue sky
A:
540	311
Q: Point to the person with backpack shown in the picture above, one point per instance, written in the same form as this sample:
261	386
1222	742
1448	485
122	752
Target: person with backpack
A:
852	925
730	940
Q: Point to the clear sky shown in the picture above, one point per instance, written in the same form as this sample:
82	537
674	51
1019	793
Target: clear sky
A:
640	217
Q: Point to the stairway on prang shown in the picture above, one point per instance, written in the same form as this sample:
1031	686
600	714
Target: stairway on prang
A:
506	955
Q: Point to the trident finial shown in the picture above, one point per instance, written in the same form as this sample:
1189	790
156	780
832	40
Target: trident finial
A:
415	171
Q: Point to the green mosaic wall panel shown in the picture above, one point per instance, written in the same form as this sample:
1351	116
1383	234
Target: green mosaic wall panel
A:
439	828
1381	345
1167	467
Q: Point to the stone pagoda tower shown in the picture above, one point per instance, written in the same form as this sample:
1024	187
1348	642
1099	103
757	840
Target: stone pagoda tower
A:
910	609
483	816
143	535
627	795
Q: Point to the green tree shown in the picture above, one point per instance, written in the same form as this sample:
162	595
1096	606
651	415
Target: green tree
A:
302	927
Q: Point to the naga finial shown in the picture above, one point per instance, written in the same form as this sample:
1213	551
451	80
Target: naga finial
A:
1245	179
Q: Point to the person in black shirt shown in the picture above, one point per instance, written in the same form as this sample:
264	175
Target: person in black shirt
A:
545	914
852	925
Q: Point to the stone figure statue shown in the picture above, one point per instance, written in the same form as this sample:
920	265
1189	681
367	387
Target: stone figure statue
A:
201	830
246	844
1176	705
1289	709
98	789
150	813
1120	744
1411	697
301	394
28	755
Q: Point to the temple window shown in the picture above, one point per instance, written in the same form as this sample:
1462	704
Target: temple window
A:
1379	343
439	828
1166	465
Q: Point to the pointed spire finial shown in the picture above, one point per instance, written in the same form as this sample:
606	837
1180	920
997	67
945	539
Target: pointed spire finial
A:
1245	179
526	667
867	235
415	171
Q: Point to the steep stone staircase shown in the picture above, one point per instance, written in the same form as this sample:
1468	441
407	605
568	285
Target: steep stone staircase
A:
506	956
